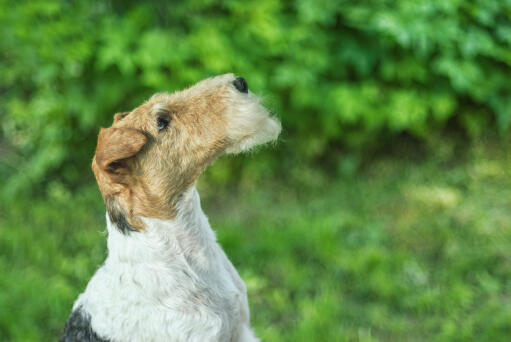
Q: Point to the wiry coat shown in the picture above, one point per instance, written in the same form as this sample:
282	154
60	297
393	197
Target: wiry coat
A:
166	278
172	282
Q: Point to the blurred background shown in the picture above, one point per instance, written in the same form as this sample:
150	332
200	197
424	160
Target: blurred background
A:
383	212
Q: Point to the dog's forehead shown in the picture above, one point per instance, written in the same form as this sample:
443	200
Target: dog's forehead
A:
190	98
139	116
160	97
137	119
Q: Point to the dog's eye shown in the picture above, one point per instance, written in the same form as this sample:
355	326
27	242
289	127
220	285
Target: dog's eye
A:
163	121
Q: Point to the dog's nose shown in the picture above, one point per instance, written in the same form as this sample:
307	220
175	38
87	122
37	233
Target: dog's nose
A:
241	84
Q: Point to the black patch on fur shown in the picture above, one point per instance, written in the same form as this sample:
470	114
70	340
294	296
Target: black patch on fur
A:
78	329
117	217
120	222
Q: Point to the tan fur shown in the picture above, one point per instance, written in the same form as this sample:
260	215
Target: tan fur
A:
142	171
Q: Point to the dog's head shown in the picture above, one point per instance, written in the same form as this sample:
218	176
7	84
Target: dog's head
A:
151	155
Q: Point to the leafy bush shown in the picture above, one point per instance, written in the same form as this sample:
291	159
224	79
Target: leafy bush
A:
337	72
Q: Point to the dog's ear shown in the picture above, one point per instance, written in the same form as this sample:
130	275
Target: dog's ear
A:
115	146
120	116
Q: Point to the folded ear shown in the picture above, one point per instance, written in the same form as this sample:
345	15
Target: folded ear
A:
115	145
119	116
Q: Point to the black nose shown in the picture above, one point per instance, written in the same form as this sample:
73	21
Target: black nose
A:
241	84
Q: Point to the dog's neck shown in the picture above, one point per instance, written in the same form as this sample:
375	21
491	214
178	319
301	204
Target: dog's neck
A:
188	234
170	275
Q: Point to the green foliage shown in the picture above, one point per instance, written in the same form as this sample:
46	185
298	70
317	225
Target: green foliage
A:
396	253
344	72
401	252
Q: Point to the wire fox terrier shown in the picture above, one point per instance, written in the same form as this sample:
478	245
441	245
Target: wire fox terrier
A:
165	277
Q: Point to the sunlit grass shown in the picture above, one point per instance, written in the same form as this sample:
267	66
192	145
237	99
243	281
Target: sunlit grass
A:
401	251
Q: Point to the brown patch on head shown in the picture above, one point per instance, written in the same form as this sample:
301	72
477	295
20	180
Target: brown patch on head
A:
142	170
120	116
150	156
113	163
115	145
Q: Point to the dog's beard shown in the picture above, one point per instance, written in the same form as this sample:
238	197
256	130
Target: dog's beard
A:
268	131
250	125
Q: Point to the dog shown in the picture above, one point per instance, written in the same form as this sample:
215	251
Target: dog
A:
166	278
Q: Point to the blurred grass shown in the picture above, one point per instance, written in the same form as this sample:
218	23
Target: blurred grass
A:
404	250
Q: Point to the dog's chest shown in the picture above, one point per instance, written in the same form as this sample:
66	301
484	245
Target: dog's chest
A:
177	286
173	311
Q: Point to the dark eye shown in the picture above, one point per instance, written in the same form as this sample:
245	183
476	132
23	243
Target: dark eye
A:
163	121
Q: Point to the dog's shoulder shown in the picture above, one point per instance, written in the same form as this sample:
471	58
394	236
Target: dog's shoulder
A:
78	328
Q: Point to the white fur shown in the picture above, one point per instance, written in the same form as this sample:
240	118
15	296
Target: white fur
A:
249	123
170	282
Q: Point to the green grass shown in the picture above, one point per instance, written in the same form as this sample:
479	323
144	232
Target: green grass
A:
401	251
